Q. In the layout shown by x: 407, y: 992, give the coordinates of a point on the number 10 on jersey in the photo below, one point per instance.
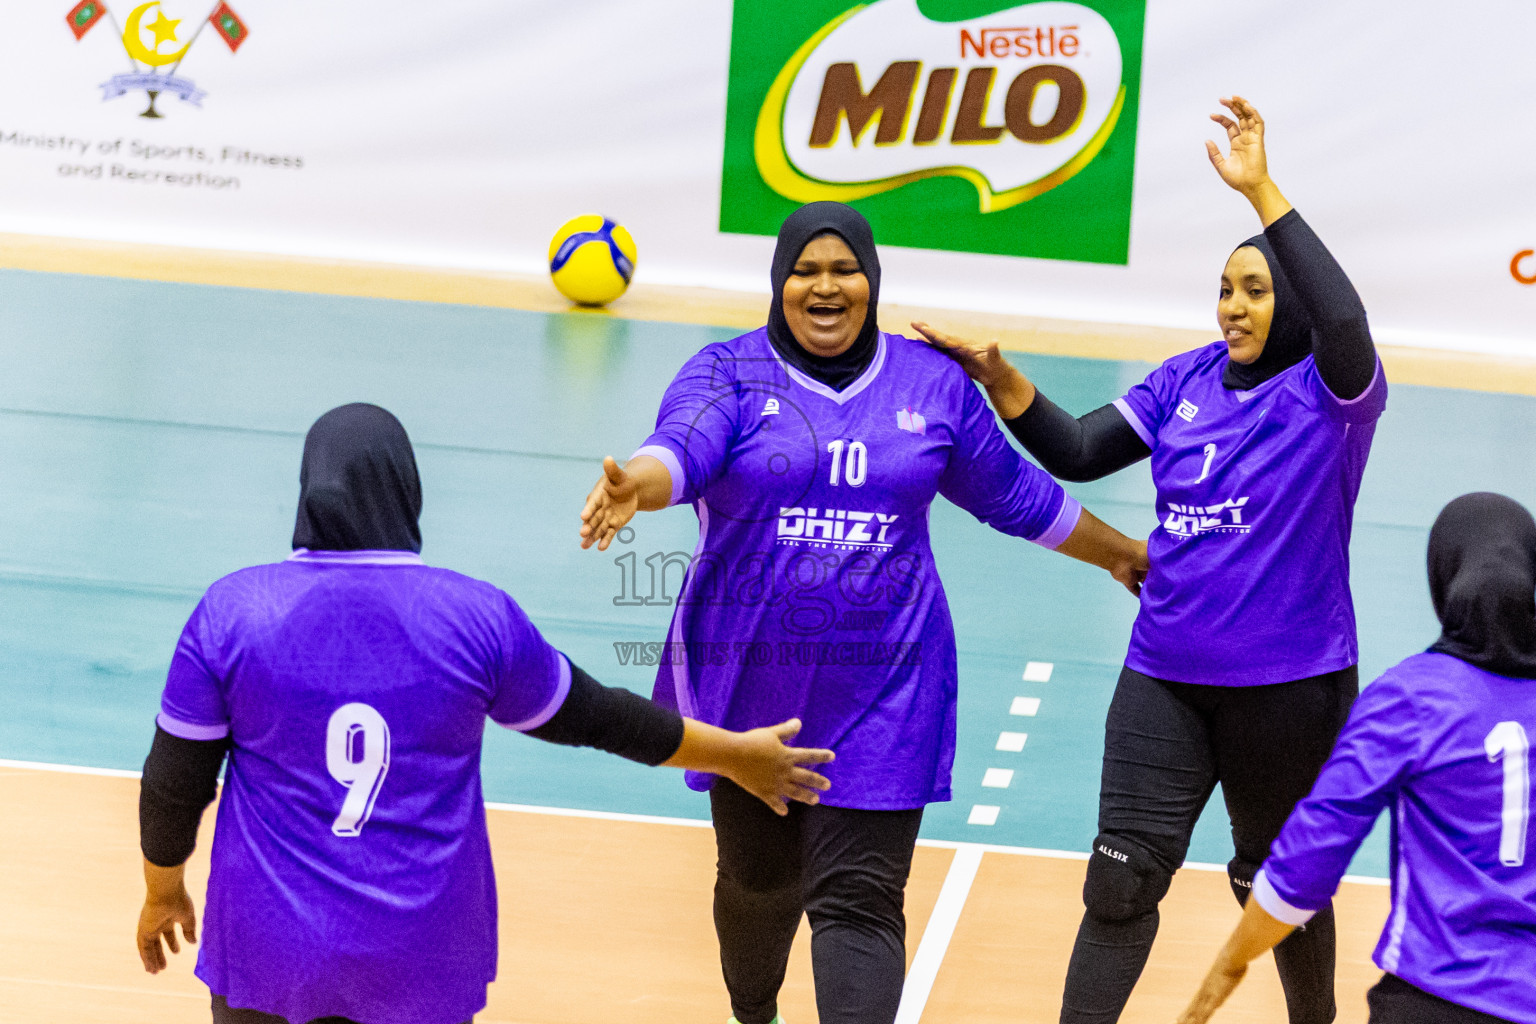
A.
x: 854, y: 468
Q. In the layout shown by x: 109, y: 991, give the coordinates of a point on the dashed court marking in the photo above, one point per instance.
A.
x: 1012, y: 742
x: 1038, y: 671
x: 983, y: 814
x: 998, y: 778
x: 1025, y: 706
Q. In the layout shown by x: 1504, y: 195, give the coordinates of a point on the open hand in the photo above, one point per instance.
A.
x: 158, y: 919
x: 771, y: 771
x: 1010, y: 391
x: 1246, y: 168
x: 609, y: 508
x: 983, y: 362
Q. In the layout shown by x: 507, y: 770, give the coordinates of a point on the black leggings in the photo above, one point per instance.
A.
x: 1393, y: 1001
x: 846, y: 870
x: 223, y: 1013
x: 1166, y: 745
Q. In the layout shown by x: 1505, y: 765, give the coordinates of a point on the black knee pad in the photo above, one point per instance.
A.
x: 1240, y: 874
x: 1124, y: 880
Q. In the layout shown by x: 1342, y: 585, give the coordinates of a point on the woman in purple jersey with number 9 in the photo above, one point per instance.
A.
x: 811, y: 450
x: 1242, y: 662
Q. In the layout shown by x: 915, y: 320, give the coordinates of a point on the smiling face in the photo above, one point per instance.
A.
x: 826, y: 297
x: 1247, y: 304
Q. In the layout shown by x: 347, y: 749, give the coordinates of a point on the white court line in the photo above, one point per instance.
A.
x: 1038, y: 671
x: 1024, y: 706
x: 656, y: 819
x: 941, y: 928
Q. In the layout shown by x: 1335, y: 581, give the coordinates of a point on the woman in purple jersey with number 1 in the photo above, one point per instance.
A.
x: 1442, y: 742
x: 811, y: 451
x: 349, y: 686
x: 1241, y: 666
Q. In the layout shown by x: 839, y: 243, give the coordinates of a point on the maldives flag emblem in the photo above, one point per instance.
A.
x: 229, y: 26
x: 84, y: 17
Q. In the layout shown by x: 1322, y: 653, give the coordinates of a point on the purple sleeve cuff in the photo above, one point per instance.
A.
x: 191, y: 730
x: 562, y: 690
x: 1135, y: 422
x: 667, y: 458
x: 1275, y: 904
x: 1064, y: 524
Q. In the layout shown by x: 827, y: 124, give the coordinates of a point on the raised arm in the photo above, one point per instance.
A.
x: 1341, y: 338
x: 695, y: 429
x: 1069, y: 447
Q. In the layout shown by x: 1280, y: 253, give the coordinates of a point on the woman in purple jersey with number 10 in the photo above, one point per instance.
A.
x: 1241, y: 666
x: 811, y: 450
x: 349, y: 686
x: 1442, y: 741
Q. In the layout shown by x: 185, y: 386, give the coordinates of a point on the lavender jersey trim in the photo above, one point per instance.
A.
x: 191, y: 730
x: 1135, y: 422
x: 1066, y: 521
x: 355, y: 557
x: 1378, y: 380
x: 562, y: 691
x: 664, y: 455
x: 1279, y: 909
x: 852, y: 391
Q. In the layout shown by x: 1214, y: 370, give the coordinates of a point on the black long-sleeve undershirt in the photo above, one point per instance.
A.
x: 1078, y: 449
x: 181, y: 776
x: 1341, y: 338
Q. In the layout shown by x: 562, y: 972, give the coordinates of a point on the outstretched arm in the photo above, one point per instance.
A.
x: 615, y: 720
x: 1256, y: 934
x: 1069, y: 447
x: 644, y: 484
x: 1341, y: 338
x: 1097, y: 543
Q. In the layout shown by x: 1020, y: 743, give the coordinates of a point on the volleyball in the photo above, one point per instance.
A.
x: 591, y: 260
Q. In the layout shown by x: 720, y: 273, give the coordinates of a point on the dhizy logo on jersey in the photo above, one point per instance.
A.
x: 835, y: 527
x: 1194, y: 520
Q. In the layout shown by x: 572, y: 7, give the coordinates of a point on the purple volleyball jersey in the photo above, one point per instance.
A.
x: 813, y: 592
x: 1255, y: 500
x: 1445, y: 746
x: 351, y: 866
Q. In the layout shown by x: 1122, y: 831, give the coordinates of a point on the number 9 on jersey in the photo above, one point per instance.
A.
x: 357, y: 756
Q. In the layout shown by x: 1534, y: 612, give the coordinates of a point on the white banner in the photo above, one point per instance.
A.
x: 463, y: 132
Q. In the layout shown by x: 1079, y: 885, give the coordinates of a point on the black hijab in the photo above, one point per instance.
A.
x: 797, y: 231
x: 358, y: 488
x: 1482, y: 579
x: 1290, y: 330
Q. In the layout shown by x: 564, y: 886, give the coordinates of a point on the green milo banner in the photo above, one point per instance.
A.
x: 967, y: 125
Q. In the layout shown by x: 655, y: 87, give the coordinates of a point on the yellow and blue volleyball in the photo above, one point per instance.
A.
x: 591, y: 260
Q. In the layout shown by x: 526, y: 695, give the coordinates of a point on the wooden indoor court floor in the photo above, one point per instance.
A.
x: 150, y: 461
x: 604, y: 920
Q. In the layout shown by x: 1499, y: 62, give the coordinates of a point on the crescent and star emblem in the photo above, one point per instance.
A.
x: 164, y: 31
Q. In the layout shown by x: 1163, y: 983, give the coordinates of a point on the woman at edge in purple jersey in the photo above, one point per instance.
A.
x: 1242, y: 661
x: 349, y: 685
x: 811, y: 450
x: 1442, y: 741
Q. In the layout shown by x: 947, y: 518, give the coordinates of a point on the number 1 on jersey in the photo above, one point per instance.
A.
x: 1508, y: 742
x: 357, y: 756
x: 1205, y: 470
